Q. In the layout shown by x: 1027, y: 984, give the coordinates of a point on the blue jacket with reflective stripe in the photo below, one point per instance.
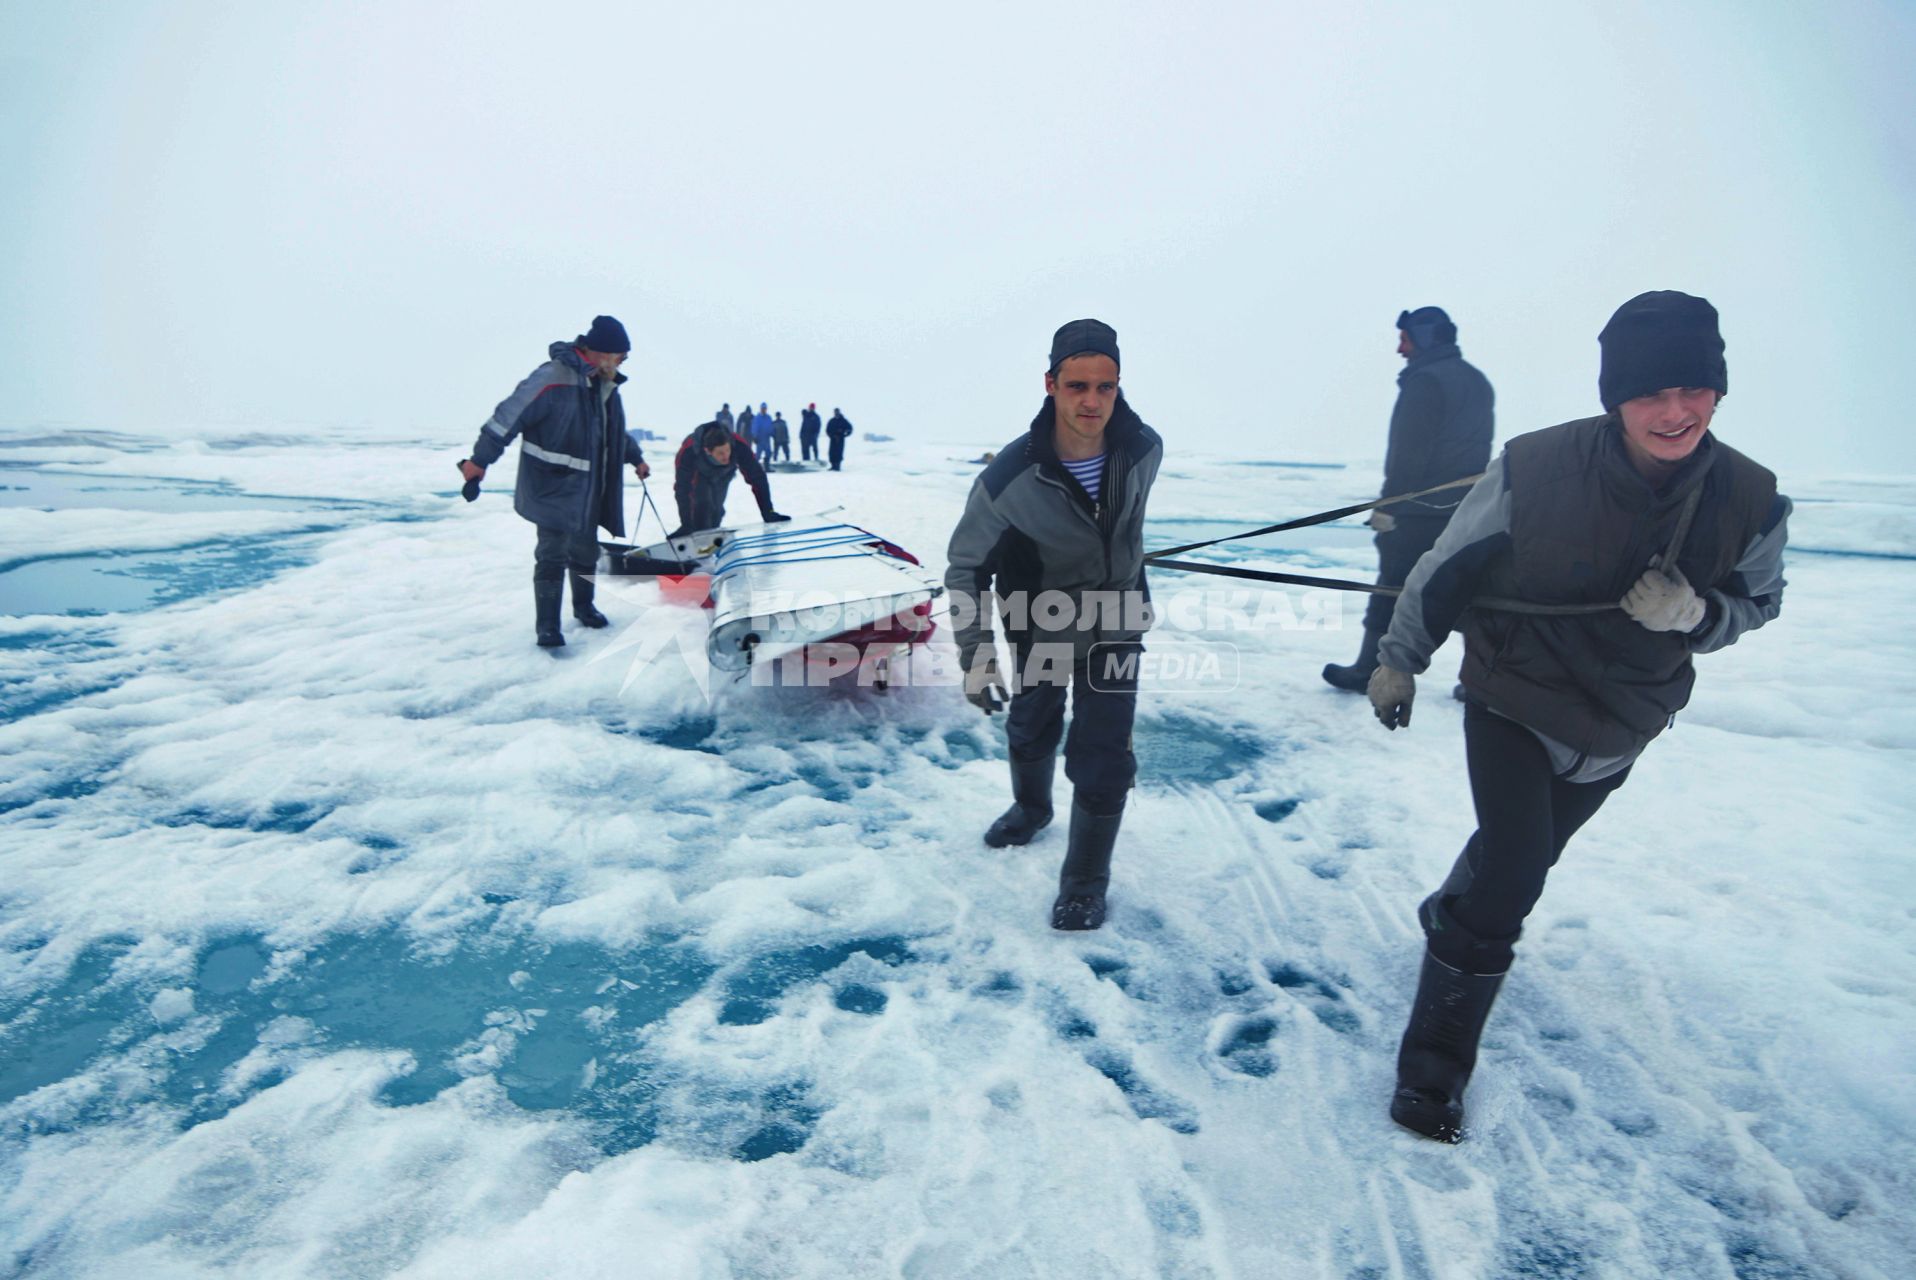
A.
x: 572, y: 442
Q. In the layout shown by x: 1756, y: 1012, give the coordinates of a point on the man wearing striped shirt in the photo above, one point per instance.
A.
x: 570, y: 425
x: 1053, y: 533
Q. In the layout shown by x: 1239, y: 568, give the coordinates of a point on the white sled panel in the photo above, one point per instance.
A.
x: 779, y: 587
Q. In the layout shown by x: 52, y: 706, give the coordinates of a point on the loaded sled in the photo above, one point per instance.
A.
x: 836, y: 592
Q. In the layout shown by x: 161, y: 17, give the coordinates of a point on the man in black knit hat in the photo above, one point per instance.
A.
x: 1059, y: 514
x: 1585, y: 570
x: 572, y: 442
x: 1440, y: 431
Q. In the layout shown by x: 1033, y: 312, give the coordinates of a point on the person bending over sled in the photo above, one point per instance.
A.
x: 703, y: 472
x: 1586, y: 569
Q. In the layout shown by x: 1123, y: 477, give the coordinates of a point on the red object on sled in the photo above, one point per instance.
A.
x: 690, y: 588
x: 899, y: 629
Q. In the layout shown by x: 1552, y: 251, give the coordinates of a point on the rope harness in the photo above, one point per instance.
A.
x: 1162, y: 559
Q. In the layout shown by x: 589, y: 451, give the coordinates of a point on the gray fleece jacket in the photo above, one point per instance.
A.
x: 1029, y: 528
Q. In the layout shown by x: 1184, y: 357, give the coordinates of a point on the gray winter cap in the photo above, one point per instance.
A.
x: 1084, y: 337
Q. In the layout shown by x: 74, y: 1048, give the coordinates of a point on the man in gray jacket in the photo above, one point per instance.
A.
x: 1440, y: 431
x: 572, y: 442
x: 1053, y: 534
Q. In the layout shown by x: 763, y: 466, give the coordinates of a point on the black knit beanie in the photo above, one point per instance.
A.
x: 606, y: 335
x: 1084, y: 337
x: 1658, y: 340
x: 1427, y: 326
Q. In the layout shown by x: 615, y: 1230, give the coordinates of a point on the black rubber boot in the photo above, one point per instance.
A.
x: 582, y: 609
x: 1356, y: 677
x: 1440, y: 1048
x: 548, y: 585
x: 1087, y: 869
x: 1030, y: 810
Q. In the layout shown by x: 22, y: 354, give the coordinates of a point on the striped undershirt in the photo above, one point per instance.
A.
x: 1086, y: 472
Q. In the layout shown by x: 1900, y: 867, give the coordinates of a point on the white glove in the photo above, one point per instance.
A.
x: 1391, y: 693
x: 1664, y: 601
x: 985, y: 688
x: 1381, y: 522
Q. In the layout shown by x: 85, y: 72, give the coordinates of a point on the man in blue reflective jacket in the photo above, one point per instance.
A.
x: 572, y: 442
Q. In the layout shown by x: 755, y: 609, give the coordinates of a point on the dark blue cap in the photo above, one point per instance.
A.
x: 607, y: 335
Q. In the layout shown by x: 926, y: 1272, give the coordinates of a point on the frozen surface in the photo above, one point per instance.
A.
x: 343, y: 933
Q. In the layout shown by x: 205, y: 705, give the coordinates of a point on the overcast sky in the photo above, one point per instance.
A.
x: 372, y: 218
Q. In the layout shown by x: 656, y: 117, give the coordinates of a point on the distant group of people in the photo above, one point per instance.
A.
x: 1585, y: 567
x: 768, y: 437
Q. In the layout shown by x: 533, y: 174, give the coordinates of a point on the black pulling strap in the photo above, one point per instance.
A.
x: 1160, y: 560
x: 1305, y: 522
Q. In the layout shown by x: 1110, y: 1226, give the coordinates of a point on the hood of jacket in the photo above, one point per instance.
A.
x: 567, y: 354
x: 1427, y: 356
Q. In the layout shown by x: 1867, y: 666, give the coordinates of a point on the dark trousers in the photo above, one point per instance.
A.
x: 1525, y: 816
x: 807, y: 445
x: 1104, y: 703
x: 559, y: 549
x: 837, y: 450
x: 1397, y: 554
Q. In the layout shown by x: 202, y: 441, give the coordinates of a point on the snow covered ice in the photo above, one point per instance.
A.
x: 343, y: 932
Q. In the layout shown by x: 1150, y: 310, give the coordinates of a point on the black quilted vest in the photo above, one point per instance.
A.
x: 1584, y: 525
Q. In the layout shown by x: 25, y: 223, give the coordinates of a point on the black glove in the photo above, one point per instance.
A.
x: 470, y: 490
x: 773, y: 517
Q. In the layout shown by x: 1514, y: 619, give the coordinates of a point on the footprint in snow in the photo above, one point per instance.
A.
x: 1323, y: 998
x: 1147, y: 1101
x: 1247, y: 1048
